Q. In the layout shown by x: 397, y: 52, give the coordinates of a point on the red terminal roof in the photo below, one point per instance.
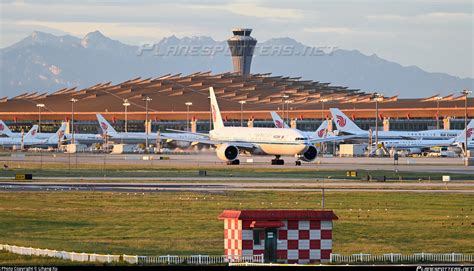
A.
x: 279, y: 214
x: 262, y: 93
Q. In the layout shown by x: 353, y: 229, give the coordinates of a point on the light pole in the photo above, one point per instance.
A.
x: 73, y: 101
x: 378, y: 97
x: 39, y: 116
x: 146, y: 99
x: 210, y: 113
x: 126, y: 104
x: 283, y: 100
x: 322, y: 108
x: 289, y: 111
x: 188, y: 104
x: 323, y: 145
x: 242, y: 112
x: 438, y: 99
x: 287, y: 118
x: 465, y: 93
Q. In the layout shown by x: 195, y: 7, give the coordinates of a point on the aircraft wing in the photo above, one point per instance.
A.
x: 186, y: 132
x: 332, y: 139
x: 207, y: 141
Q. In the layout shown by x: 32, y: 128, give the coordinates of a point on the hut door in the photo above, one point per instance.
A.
x: 270, y: 245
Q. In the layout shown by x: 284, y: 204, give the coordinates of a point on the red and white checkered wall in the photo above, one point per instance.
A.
x: 232, y: 237
x: 298, y: 241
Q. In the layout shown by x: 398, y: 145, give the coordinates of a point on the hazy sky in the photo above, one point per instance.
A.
x: 437, y: 36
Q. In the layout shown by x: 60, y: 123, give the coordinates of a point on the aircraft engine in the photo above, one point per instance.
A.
x: 227, y: 152
x: 309, y: 154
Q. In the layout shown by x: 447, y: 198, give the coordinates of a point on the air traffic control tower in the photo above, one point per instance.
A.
x: 241, y: 47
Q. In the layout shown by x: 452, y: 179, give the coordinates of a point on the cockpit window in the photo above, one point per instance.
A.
x: 301, y: 138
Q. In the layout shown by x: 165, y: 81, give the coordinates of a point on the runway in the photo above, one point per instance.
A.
x: 461, y: 187
x: 208, y: 159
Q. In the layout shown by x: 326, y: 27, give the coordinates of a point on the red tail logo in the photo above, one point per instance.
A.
x: 469, y: 132
x: 278, y: 124
x: 1, y: 127
x: 33, y: 132
x: 341, y: 121
x: 104, y: 126
x: 321, y: 132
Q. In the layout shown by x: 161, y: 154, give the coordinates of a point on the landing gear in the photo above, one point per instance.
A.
x: 278, y: 161
x: 298, y: 162
x: 234, y: 162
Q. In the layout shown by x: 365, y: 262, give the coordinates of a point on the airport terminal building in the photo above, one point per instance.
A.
x: 243, y: 98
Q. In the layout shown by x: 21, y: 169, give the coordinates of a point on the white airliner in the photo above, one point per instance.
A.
x: 31, y: 138
x: 419, y: 145
x: 78, y: 138
x: 140, y: 137
x: 346, y: 125
x: 6, y: 131
x: 230, y: 141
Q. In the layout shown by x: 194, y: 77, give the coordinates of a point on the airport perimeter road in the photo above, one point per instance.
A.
x: 458, y: 187
x: 209, y: 159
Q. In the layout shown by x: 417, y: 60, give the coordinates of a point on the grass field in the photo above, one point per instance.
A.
x: 186, y: 223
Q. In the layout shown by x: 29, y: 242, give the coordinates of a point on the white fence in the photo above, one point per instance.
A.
x: 236, y: 259
x: 71, y: 256
x: 200, y: 259
x: 400, y: 258
x: 133, y: 259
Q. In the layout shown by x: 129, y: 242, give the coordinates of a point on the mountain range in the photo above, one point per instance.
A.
x: 44, y: 62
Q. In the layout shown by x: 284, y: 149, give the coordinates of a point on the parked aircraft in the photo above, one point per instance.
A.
x: 5, y: 130
x: 140, y: 137
x: 31, y: 139
x: 418, y: 146
x: 346, y: 125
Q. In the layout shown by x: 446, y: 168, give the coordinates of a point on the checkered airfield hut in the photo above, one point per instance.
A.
x: 288, y: 236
